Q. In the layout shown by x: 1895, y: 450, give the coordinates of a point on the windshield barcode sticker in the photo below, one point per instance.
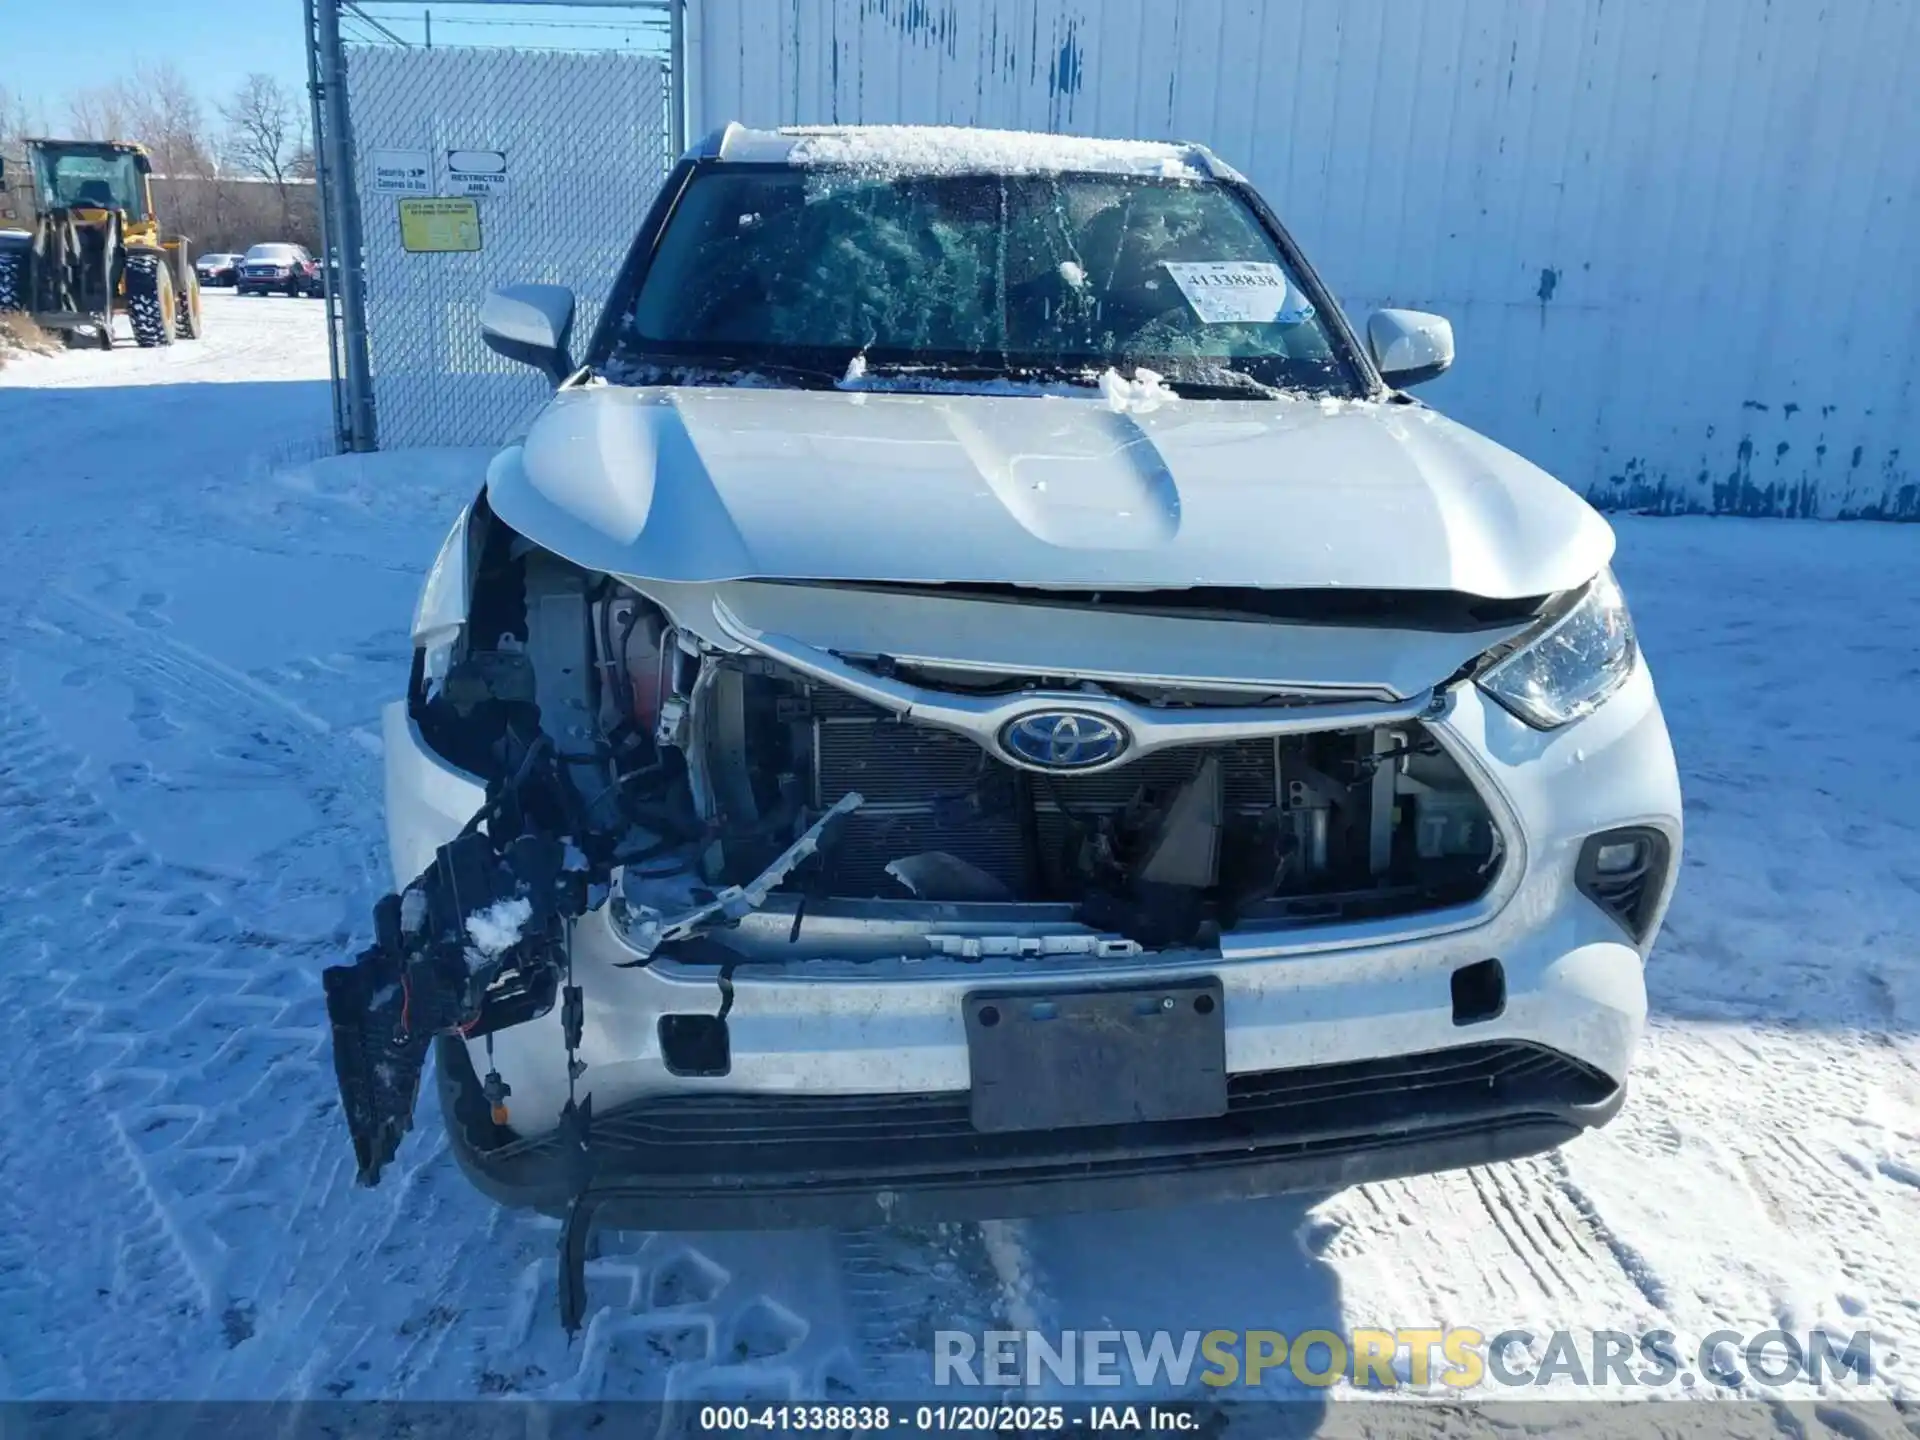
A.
x: 1239, y: 292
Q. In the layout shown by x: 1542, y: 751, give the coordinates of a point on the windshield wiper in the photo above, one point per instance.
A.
x: 1019, y: 374
x: 811, y: 377
x: 1220, y: 382
x: 1210, y: 382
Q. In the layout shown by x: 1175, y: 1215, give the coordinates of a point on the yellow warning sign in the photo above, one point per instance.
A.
x: 439, y: 225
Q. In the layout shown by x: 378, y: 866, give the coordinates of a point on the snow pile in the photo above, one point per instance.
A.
x: 497, y: 928
x: 1145, y: 391
x: 20, y: 336
x: 943, y: 149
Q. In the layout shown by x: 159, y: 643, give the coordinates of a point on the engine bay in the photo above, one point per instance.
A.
x: 701, y: 765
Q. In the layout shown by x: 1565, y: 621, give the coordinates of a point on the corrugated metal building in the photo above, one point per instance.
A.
x: 1676, y: 237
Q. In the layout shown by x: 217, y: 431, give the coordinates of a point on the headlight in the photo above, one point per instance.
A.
x: 1570, y: 668
x: 441, y: 615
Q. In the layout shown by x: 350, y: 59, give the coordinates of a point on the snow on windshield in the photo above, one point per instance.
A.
x: 949, y: 150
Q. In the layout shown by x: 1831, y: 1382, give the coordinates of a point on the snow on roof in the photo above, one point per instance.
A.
x: 948, y: 149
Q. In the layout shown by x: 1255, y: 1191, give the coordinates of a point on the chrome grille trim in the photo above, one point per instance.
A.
x: 982, y: 717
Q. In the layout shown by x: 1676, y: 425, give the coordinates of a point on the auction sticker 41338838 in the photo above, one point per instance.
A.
x: 1229, y: 292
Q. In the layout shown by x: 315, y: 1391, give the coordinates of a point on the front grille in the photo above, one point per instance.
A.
x: 929, y: 789
x: 902, y: 1140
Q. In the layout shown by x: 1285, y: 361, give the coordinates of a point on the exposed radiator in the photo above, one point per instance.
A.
x: 929, y: 789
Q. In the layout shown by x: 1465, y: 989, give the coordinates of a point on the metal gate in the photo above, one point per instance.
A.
x: 448, y: 170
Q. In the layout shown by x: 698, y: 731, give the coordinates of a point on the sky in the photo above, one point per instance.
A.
x: 50, y: 48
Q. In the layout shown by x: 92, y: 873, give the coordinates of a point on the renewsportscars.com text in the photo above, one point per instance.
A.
x: 1459, y: 1358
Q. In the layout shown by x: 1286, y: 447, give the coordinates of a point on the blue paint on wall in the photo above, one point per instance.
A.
x: 1638, y: 489
x: 918, y: 20
x: 1065, y: 76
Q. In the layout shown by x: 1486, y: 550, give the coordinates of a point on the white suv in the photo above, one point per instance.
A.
x: 980, y: 695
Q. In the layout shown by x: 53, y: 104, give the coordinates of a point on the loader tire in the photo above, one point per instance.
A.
x: 13, y: 280
x: 150, y: 300
x: 187, y: 321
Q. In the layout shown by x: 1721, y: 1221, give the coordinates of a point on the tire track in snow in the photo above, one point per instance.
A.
x: 216, y: 1087
x: 1517, y: 1245
x: 77, y: 1271
x: 1805, y: 1124
x: 904, y: 1283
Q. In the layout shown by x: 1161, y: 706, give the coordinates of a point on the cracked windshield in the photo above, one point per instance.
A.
x: 1043, y: 276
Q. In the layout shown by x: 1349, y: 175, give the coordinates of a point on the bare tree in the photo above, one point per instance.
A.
x: 17, y: 119
x: 265, y: 133
x: 165, y: 116
x: 98, y: 113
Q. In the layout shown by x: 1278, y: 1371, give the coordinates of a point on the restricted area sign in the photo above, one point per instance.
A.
x: 441, y: 225
x: 477, y: 172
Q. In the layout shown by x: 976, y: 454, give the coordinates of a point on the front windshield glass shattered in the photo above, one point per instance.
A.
x: 800, y: 270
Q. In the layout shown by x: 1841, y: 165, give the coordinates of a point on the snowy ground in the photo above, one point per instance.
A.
x: 203, y: 623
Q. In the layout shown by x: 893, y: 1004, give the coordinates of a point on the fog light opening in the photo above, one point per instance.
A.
x: 1621, y: 858
x: 1623, y: 872
x: 1479, y: 992
x: 695, y: 1045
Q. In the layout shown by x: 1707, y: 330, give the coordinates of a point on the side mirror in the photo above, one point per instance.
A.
x: 1409, y: 346
x: 532, y: 324
x: 143, y: 162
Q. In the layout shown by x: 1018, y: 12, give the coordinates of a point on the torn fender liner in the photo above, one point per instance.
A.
x: 377, y: 1059
x: 477, y: 943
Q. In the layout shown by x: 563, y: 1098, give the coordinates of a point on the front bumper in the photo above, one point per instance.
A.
x: 870, y: 1056
x: 750, y: 1161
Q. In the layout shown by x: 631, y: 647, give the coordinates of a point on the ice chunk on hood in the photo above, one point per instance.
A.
x: 1145, y: 391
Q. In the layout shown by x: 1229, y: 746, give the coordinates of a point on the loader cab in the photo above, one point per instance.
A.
x: 79, y: 176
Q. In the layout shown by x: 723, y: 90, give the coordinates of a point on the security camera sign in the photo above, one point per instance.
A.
x: 402, y: 172
x: 478, y: 173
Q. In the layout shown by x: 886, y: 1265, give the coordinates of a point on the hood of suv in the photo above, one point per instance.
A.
x: 705, y: 485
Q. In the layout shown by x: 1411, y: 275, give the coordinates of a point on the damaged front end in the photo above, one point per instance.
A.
x: 738, y: 796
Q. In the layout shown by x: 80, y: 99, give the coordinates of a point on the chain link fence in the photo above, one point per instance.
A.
x: 584, y: 141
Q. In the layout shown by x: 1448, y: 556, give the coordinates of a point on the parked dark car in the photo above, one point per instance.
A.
x: 277, y: 269
x: 218, y: 269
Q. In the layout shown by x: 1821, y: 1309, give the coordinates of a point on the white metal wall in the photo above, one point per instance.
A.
x: 585, y: 136
x: 1676, y: 237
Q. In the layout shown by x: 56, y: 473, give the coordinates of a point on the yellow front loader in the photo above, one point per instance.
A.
x: 83, y: 243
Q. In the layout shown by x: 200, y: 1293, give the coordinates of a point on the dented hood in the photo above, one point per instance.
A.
x: 703, y: 485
